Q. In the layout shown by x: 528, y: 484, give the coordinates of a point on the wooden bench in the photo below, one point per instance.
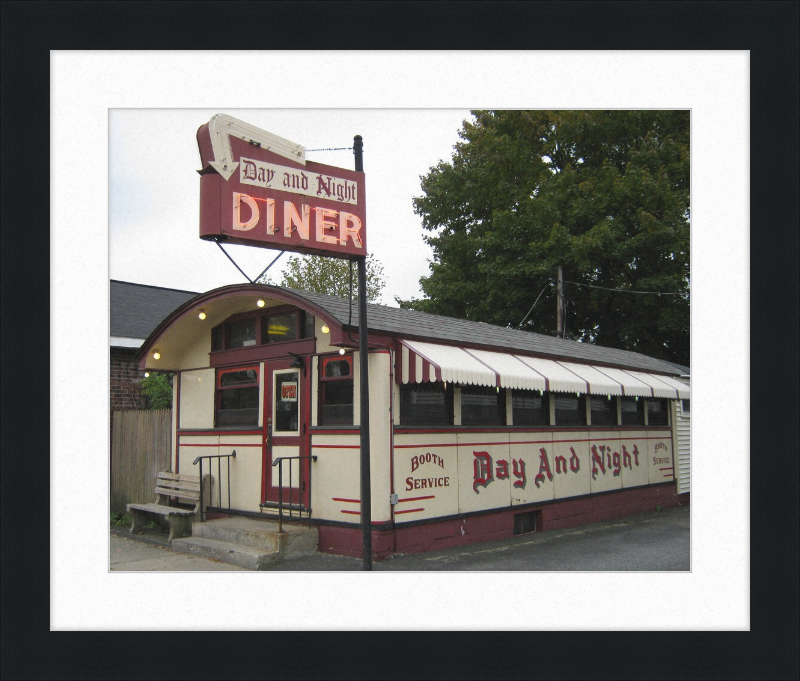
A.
x: 184, y: 488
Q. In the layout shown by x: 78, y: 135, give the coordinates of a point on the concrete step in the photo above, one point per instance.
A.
x: 227, y: 552
x: 248, y: 542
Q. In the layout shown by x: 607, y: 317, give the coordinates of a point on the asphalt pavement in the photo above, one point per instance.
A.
x: 650, y: 542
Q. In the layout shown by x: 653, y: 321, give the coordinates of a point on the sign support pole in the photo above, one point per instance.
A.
x: 363, y: 352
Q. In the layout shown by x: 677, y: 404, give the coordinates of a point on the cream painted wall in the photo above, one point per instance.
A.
x: 429, y: 457
x: 197, y: 399
x: 574, y: 451
x: 563, y: 464
x: 335, y: 482
x: 525, y: 452
x: 660, y: 461
x: 380, y: 433
x: 245, y: 469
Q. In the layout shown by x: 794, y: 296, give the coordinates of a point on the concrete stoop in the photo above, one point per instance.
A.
x: 248, y: 543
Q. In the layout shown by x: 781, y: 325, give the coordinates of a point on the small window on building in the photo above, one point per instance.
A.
x: 685, y: 407
x: 426, y: 404
x: 604, y: 411
x: 336, y: 391
x: 632, y: 411
x: 657, y: 413
x: 236, y: 400
x: 277, y: 328
x: 241, y: 334
x: 308, y: 330
x: 217, y: 336
x: 287, y: 401
x: 570, y: 410
x: 530, y: 408
x: 482, y: 406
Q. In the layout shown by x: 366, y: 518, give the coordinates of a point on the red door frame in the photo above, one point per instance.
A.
x: 269, y: 478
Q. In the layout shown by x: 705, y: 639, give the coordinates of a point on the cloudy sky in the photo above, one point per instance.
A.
x: 154, y: 189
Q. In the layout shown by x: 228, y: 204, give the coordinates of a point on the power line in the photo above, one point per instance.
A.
x: 625, y: 290
x: 519, y: 326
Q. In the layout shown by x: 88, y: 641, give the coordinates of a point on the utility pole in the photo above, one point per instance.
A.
x: 560, y: 304
x: 363, y: 353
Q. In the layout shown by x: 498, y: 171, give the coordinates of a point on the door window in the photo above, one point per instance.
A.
x: 287, y: 401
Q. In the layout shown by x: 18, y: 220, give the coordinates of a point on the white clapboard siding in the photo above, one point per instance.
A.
x: 684, y: 450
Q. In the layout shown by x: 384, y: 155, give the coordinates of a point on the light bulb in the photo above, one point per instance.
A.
x: 146, y: 374
x: 202, y: 315
x: 325, y: 329
x: 156, y: 355
x: 341, y: 351
x: 261, y: 302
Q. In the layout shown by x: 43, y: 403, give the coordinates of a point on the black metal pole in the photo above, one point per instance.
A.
x: 363, y: 353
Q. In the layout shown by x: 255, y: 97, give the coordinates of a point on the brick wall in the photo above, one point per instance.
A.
x: 125, y: 380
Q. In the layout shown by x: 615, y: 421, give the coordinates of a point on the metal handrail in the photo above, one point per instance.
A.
x: 219, y: 458
x: 279, y: 462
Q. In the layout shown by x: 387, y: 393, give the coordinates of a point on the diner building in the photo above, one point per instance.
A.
x: 477, y: 432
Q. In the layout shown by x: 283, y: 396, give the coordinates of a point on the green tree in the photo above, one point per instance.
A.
x: 604, y: 194
x: 330, y: 275
x: 158, y: 390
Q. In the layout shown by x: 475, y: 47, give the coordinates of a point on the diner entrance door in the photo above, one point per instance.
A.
x: 285, y: 434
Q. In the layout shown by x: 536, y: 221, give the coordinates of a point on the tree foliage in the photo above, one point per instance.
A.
x: 331, y: 276
x: 605, y: 194
x: 158, y: 390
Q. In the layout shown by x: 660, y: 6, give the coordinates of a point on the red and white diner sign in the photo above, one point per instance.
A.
x: 257, y: 189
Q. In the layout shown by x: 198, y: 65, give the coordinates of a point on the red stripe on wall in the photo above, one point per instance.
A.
x: 351, y: 512
x: 336, y: 446
x: 410, y: 510
x: 349, y: 501
x: 526, y: 442
x: 216, y: 432
x: 433, y: 496
x: 221, y: 444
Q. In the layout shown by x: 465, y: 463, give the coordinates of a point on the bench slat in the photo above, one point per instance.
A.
x: 180, y: 494
x: 179, y: 485
x: 160, y: 509
x: 179, y: 476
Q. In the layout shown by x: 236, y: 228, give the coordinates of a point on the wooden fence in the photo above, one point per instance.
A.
x: 141, y: 442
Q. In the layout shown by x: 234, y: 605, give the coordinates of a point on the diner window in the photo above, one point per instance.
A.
x: 482, y: 406
x: 262, y: 329
x: 604, y: 411
x: 241, y: 334
x: 657, y: 413
x: 426, y: 404
x: 530, y: 408
x: 281, y: 327
x: 632, y: 411
x: 236, y: 399
x: 685, y: 407
x: 570, y: 410
x: 308, y: 330
x: 336, y: 390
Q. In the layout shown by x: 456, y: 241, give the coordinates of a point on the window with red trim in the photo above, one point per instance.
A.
x: 236, y: 398
x: 336, y: 390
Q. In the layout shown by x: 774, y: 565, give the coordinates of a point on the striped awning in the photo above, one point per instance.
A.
x: 419, y: 362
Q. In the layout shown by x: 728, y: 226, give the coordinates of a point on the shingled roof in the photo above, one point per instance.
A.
x: 423, y: 326
x: 137, y: 309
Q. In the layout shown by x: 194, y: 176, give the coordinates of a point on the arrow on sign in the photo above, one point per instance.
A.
x: 222, y: 126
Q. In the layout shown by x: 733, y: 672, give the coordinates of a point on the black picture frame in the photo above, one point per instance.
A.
x: 768, y: 651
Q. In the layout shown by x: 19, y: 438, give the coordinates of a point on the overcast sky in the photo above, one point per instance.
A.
x: 154, y: 189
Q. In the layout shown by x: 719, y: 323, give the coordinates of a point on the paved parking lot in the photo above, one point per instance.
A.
x: 649, y: 542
